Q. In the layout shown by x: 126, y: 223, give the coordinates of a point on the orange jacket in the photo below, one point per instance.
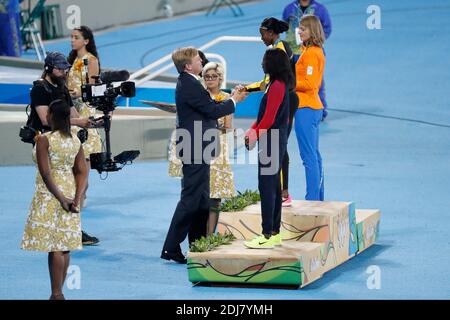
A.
x: 309, y: 70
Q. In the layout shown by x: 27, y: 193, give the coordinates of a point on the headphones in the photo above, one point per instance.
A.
x: 48, y: 68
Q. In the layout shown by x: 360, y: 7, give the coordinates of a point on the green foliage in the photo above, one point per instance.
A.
x: 211, y: 242
x: 242, y: 200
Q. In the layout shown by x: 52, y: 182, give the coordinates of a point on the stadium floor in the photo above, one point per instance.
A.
x: 385, y: 144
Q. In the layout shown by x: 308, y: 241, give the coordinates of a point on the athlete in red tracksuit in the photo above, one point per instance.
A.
x: 270, y: 130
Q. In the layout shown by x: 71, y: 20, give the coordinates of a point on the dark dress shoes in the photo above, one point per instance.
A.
x: 175, y: 256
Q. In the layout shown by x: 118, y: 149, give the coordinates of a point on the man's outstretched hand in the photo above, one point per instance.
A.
x: 238, y: 95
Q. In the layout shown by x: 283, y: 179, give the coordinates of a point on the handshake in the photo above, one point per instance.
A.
x: 239, y: 93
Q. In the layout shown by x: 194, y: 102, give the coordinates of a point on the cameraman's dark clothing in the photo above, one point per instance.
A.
x: 42, y: 94
x: 194, y: 105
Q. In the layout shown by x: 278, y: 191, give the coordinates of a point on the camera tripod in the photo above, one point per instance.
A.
x: 103, y: 161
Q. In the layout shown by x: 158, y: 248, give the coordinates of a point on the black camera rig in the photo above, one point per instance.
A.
x: 102, y: 95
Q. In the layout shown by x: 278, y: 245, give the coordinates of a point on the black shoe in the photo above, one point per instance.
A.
x: 175, y: 256
x: 88, y: 240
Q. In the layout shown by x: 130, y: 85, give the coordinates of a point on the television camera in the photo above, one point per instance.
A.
x: 102, y: 95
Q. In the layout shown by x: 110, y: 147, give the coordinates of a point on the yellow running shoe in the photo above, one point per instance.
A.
x: 276, y: 239
x: 260, y: 242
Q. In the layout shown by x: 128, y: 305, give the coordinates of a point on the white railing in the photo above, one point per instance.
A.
x: 203, y: 48
x: 153, y: 75
x: 229, y: 39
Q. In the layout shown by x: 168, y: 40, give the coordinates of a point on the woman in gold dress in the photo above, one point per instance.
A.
x: 84, y: 49
x: 53, y: 223
x: 221, y: 174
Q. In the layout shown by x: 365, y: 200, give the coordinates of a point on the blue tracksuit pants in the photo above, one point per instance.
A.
x: 307, y: 123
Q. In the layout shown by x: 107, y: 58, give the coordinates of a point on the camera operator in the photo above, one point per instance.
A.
x: 51, y: 87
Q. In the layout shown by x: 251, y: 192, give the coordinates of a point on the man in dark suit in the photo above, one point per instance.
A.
x: 197, y: 143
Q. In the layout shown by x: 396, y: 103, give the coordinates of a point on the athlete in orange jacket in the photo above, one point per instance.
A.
x: 309, y: 71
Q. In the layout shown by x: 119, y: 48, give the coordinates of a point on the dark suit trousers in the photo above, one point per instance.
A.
x: 191, y: 214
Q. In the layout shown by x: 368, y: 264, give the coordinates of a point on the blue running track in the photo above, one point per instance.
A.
x: 385, y: 144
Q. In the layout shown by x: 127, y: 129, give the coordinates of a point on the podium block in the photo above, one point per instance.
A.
x: 331, y: 223
x: 368, y: 227
x: 294, y: 263
x: 317, y: 237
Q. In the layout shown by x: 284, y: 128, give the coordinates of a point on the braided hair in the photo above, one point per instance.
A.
x: 275, y: 25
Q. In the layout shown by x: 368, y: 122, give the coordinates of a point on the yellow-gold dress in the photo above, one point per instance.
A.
x: 49, y: 228
x: 76, y: 78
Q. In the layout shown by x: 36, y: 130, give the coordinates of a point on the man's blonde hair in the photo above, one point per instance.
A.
x: 312, y: 23
x: 183, y: 56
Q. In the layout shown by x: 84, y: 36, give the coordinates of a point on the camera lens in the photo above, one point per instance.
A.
x: 128, y: 89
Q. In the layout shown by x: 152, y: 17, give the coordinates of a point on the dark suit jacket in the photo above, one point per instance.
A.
x: 195, y: 110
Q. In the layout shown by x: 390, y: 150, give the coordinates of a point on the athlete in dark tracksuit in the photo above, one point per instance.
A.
x: 270, y: 129
x: 272, y: 115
